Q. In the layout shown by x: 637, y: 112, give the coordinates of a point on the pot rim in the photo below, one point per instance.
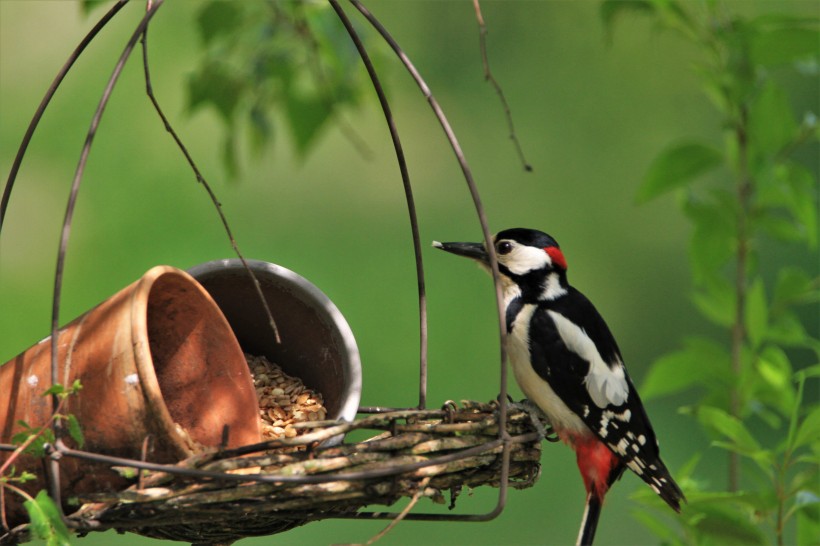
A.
x: 321, y: 303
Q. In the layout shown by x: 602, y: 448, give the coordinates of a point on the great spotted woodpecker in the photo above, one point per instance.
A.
x: 567, y: 362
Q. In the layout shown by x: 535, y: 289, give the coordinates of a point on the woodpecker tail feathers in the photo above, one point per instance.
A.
x: 589, y: 523
x: 657, y: 476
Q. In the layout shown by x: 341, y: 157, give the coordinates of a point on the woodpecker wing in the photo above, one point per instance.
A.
x: 573, y: 350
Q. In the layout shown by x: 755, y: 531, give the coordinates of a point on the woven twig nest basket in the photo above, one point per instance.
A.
x: 165, y: 505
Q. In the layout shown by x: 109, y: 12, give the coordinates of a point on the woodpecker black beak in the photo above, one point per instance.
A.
x: 475, y: 251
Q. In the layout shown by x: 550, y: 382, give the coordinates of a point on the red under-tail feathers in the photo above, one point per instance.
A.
x: 599, y: 468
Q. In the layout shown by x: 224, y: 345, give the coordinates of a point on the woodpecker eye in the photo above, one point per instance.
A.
x: 503, y: 247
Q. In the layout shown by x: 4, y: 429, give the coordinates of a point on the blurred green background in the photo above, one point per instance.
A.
x: 590, y: 113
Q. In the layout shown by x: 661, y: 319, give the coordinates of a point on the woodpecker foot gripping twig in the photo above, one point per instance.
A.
x: 538, y: 418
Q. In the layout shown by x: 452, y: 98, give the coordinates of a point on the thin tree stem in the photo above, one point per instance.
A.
x: 739, y: 334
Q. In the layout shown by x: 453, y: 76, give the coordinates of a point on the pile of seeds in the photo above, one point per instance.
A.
x: 283, y: 400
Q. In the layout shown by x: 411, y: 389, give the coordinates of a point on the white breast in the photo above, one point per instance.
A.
x: 534, y: 386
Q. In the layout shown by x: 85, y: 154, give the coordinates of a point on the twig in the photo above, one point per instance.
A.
x: 201, y: 179
x: 422, y: 486
x: 326, y: 482
x: 488, y: 75
x: 408, y: 194
x: 52, y: 89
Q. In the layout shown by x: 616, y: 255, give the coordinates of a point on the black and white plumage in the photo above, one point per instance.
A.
x: 567, y: 362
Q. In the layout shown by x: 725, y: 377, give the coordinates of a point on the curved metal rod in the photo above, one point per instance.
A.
x: 72, y: 201
x: 408, y: 194
x: 38, y: 114
x: 503, y: 434
x: 149, y: 90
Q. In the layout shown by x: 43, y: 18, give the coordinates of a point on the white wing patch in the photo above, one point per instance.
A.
x: 605, y: 385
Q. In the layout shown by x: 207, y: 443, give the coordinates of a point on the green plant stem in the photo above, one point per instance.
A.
x: 4, y: 483
x: 780, y: 521
x: 744, y: 191
x: 32, y: 437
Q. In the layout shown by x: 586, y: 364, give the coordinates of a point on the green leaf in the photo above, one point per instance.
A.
x: 794, y: 286
x: 781, y: 229
x: 716, y: 301
x: 808, y: 528
x: 803, y: 199
x: 757, y: 312
x: 611, y: 10
x: 76, y: 387
x: 675, y: 167
x: 217, y: 86
x: 305, y: 117
x: 771, y: 121
x: 809, y: 429
x: 89, y: 5
x: 57, y: 389
x: 127, y: 472
x: 806, y: 373
x: 784, y: 45
x: 75, y: 431
x: 46, y: 521
x: 701, y: 361
x: 724, y: 524
x: 656, y: 526
x: 730, y: 427
x: 219, y: 18
x: 786, y: 329
x: 775, y: 369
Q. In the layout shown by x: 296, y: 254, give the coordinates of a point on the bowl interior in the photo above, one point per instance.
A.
x: 316, y: 343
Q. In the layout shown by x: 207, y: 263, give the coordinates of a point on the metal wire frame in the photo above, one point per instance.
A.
x: 58, y: 450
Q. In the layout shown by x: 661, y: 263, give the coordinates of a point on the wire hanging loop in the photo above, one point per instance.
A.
x: 503, y: 434
x: 69, y: 214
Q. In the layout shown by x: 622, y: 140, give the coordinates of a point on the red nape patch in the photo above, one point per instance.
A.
x: 596, y: 462
x: 557, y: 256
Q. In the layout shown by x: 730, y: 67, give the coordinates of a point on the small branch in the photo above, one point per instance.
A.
x: 390, y: 526
x: 322, y: 482
x: 738, y: 333
x: 488, y: 76
x: 201, y: 179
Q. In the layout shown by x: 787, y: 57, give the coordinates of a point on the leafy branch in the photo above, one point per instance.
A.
x: 266, y: 57
x: 739, y: 197
x: 45, y: 517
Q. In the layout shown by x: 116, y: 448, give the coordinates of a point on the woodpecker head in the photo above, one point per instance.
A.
x: 530, y: 262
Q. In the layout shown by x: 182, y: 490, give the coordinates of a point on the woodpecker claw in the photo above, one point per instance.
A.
x: 509, y: 399
x: 537, y: 416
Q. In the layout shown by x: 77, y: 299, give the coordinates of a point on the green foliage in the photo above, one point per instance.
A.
x: 265, y: 58
x: 751, y: 389
x: 46, y: 521
x: 44, y: 516
x: 677, y: 166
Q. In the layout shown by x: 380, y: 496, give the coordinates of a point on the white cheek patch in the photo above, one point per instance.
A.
x: 524, y: 259
x: 606, y: 386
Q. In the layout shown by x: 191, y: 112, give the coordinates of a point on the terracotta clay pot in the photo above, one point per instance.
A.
x: 156, y: 355
x: 317, y: 344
